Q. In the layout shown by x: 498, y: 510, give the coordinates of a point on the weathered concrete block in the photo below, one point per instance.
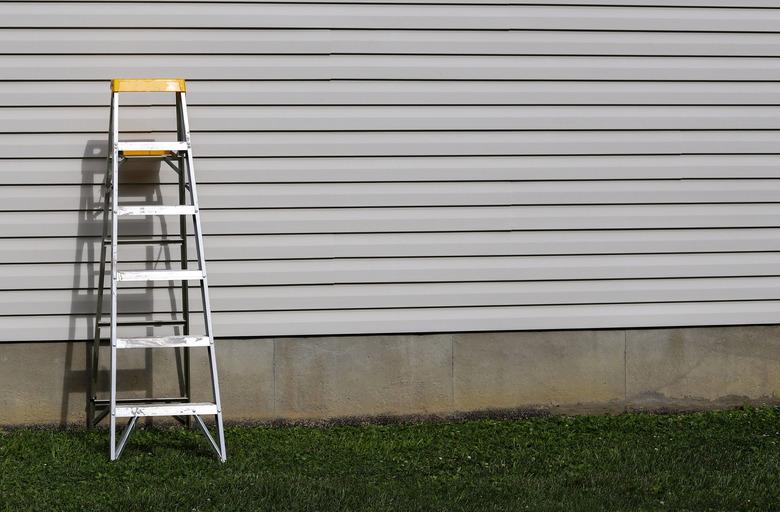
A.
x: 363, y: 375
x: 701, y: 366
x: 246, y: 374
x: 42, y: 383
x: 533, y: 369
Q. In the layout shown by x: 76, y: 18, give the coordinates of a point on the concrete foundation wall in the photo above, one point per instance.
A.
x: 330, y: 377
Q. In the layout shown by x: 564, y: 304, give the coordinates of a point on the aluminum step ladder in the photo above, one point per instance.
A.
x: 178, y: 155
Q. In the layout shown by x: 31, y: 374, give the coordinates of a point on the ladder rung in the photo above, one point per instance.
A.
x: 102, y: 402
x: 151, y: 146
x: 163, y: 342
x: 123, y: 211
x: 146, y: 241
x: 159, y: 275
x: 153, y: 409
x: 142, y: 323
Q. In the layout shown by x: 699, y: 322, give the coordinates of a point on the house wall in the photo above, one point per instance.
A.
x: 393, y: 169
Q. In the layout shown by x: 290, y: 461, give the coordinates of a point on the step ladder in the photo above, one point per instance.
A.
x: 178, y: 155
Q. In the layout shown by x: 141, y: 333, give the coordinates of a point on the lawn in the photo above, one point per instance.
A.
x: 704, y: 461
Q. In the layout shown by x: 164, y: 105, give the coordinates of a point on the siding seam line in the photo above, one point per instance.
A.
x: 273, y: 378
x: 625, y: 370
x: 452, y: 372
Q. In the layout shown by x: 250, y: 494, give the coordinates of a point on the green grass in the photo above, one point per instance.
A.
x: 707, y: 461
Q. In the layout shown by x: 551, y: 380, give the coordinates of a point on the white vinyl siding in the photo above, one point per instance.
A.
x: 389, y: 167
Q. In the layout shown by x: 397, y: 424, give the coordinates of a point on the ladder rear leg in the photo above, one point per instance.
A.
x: 186, y: 389
x: 94, y: 369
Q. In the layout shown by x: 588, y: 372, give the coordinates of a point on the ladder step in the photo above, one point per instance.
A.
x: 157, y: 409
x: 152, y: 147
x: 123, y: 211
x: 163, y: 342
x: 146, y: 241
x: 160, y: 275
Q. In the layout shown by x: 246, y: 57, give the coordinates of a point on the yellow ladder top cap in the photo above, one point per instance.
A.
x: 148, y: 85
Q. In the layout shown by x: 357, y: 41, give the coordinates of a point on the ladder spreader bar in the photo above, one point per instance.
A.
x: 145, y: 241
x: 142, y: 323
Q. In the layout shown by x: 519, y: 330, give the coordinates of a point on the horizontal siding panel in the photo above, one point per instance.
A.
x: 416, y: 16
x: 538, y: 317
x: 400, y: 92
x: 398, y: 169
x: 376, y: 245
x: 383, y: 296
x: 411, y: 320
x: 222, y: 144
x: 439, y: 42
x: 637, y: 3
x: 83, y: 276
x: 335, y: 195
x: 388, y: 67
x: 427, y: 219
x: 389, y: 118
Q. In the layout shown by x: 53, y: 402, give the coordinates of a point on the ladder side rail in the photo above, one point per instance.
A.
x: 204, y: 287
x: 183, y: 256
x: 114, y: 256
x: 95, y: 356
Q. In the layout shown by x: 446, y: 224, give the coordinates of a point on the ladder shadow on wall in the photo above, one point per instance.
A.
x: 139, y: 183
